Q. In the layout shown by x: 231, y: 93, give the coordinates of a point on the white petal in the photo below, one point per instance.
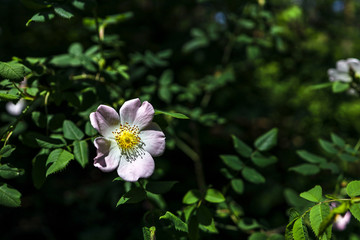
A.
x: 128, y: 111
x: 105, y: 120
x: 108, y: 154
x: 144, y: 115
x: 154, y: 139
x: 142, y: 167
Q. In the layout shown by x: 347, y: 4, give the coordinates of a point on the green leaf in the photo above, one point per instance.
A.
x: 41, y: 17
x: 46, y: 142
x: 312, y: 158
x: 248, y: 224
x: 237, y: 185
x: 135, y: 195
x: 330, y: 166
x: 257, y: 236
x: 348, y: 157
x: 276, y: 236
x: 149, y: 233
x: 172, y: 114
x: 299, y: 230
x: 59, y: 159
x: 9, y: 197
x: 64, y: 11
x: 89, y: 130
x: 204, y: 215
x: 355, y: 210
x: 267, y: 141
x: 337, y: 140
x: 214, y: 196
x: 211, y: 228
x: 192, y: 196
x: 242, y: 148
x: 39, y: 168
x: 39, y: 119
x: 81, y: 152
x: 71, y: 131
x: 260, y: 160
x: 178, y: 223
x: 13, y: 70
x: 313, y: 195
x: 328, y: 146
x: 306, y: 169
x: 340, y: 86
x: 6, y: 151
x: 8, y: 97
x: 232, y: 162
x: 8, y: 172
x: 317, y: 215
x: 252, y: 175
x: 353, y: 189
x: 159, y: 187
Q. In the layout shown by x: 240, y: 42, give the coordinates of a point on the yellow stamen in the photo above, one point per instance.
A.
x: 128, y: 140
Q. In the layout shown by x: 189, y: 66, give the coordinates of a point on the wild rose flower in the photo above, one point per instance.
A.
x: 129, y: 140
x: 15, y: 109
x: 342, y: 221
x: 344, y: 69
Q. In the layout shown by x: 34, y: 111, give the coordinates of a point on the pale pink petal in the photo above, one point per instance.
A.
x: 342, y: 66
x: 105, y: 120
x: 154, y: 139
x: 144, y: 115
x: 342, y: 221
x: 128, y: 111
x: 142, y: 167
x: 108, y: 154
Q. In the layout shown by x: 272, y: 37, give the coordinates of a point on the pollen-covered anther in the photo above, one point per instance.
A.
x: 129, y: 142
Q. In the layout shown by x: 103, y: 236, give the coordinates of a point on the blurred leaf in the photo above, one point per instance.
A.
x: 81, y: 152
x: 237, y: 185
x: 9, y: 197
x: 63, y: 11
x: 71, y: 131
x: 204, y: 215
x: 306, y: 169
x: 171, y: 114
x: 59, y: 159
x: 312, y: 158
x: 337, y: 140
x: 262, y: 161
x: 149, y: 233
x: 348, y: 157
x: 330, y: 166
x: 135, y: 195
x: 327, y: 146
x: 214, y: 196
x: 160, y: 187
x: 276, y: 236
x: 267, y: 141
x: 232, y: 162
x: 313, y: 195
x: 340, y: 86
x: 192, y: 196
x: 257, y: 236
x: 6, y: 151
x: 8, y: 172
x: 8, y: 97
x: 353, y: 189
x: 211, y: 228
x: 39, y: 169
x: 248, y: 224
x: 178, y: 223
x: 39, y: 119
x: 252, y: 175
x: 226, y: 173
x: 242, y: 148
x: 13, y: 70
x: 41, y: 17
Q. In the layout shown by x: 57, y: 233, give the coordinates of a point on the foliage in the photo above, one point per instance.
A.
x: 241, y: 90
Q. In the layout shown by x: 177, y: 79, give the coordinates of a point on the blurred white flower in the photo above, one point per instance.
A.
x: 344, y: 69
x: 15, y: 109
x: 342, y: 221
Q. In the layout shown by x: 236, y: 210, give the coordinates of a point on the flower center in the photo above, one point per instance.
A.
x: 129, y: 142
